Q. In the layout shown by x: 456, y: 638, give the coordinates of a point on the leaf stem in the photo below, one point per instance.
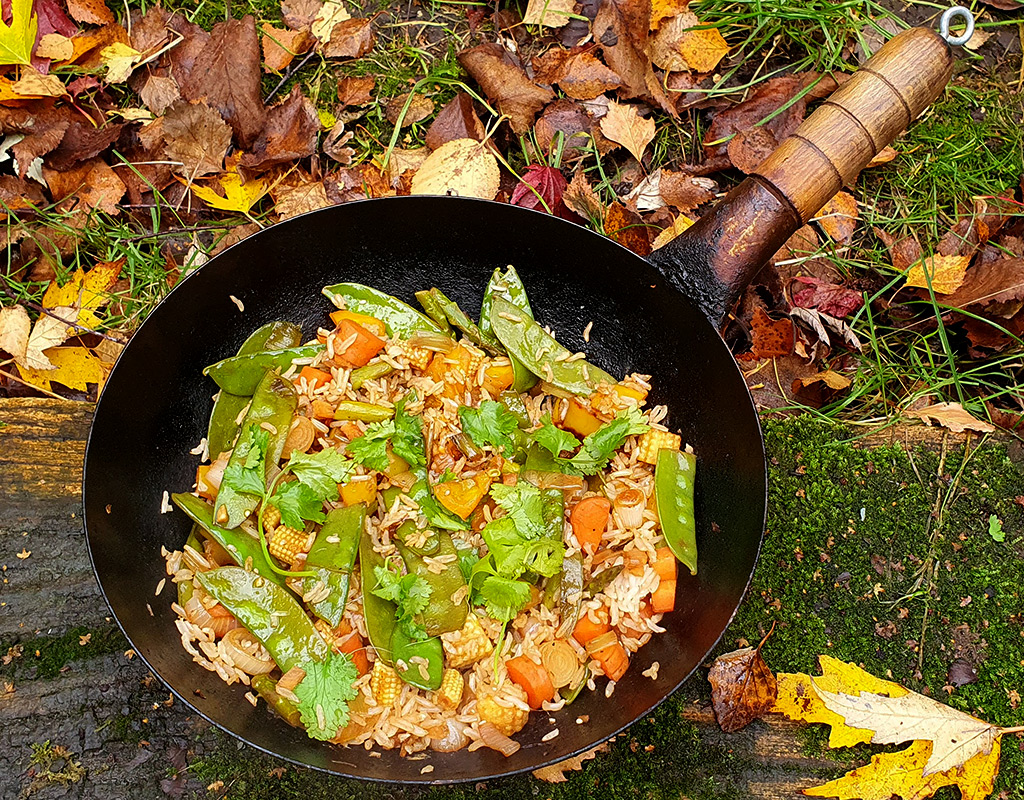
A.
x: 1018, y: 729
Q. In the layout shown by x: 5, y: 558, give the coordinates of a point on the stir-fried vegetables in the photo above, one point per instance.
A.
x: 511, y: 511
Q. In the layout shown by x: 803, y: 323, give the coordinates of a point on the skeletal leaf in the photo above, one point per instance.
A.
x: 947, y: 273
x: 624, y: 125
x: 75, y: 367
x: 463, y: 167
x: 742, y: 688
x: 952, y: 416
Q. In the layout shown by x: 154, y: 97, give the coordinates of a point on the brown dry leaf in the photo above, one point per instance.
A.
x: 771, y: 337
x: 456, y: 120
x: 461, y: 167
x: 748, y: 148
x: 679, y: 224
x: 838, y: 217
x: 742, y: 688
x: 884, y: 156
x: 991, y: 282
x: 952, y: 416
x: 420, y: 107
x: 832, y: 379
x: 34, y: 84
x: 355, y: 91
x: 281, y: 45
x: 577, y: 72
x: 768, y: 98
x: 20, y: 195
x: 331, y: 13
x: 298, y: 194
x: 158, y: 93
x: 681, y: 44
x: 624, y: 125
x: 549, y: 13
x: 91, y: 12
x: 685, y: 192
x: 226, y: 75
x: 14, y: 330
x: 42, y: 131
x: 74, y: 367
x: 102, y: 189
x: 196, y: 137
x: 902, y: 252
x: 505, y: 83
x: 402, y: 161
x: 621, y: 29
x: 289, y: 134
x: 946, y: 273
x: 581, y: 198
x: 55, y: 47
x: 351, y: 38
x: 664, y: 9
x: 626, y: 227
x: 299, y: 14
x: 556, y: 772
x: 574, y: 128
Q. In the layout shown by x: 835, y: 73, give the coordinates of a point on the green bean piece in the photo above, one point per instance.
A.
x: 570, y: 598
x: 459, y: 319
x: 433, y: 309
x: 272, y: 408
x: 442, y: 614
x: 270, y: 613
x: 400, y: 319
x: 238, y: 544
x: 674, y: 475
x: 224, y: 425
x: 242, y: 374
x: 332, y: 557
x: 510, y: 287
x: 370, y: 372
x: 364, y: 412
x: 525, y: 339
x: 389, y: 495
x: 601, y: 580
x: 266, y: 687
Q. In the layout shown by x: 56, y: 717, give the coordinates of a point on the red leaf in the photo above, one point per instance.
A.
x: 828, y: 298
x: 549, y: 183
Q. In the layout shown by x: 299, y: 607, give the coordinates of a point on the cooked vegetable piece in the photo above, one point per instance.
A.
x: 314, y: 377
x: 570, y: 596
x: 238, y: 544
x: 269, y: 612
x: 527, y: 341
x: 653, y: 442
x: 533, y: 678
x: 674, y: 477
x: 442, y: 614
x: 589, y: 520
x: 498, y: 377
x: 372, y: 324
x: 287, y: 543
x: 242, y: 374
x: 472, y: 644
x: 370, y: 372
x: 663, y: 599
x: 355, y: 345
x: 433, y: 309
x: 362, y: 412
x: 450, y: 694
x: 572, y: 691
x: 424, y: 660
x: 385, y: 684
x: 580, y: 419
x: 265, y: 688
x: 597, y: 448
x: 402, y: 320
x: 460, y: 320
x: 360, y: 489
x: 510, y: 287
x: 224, y: 424
x: 462, y: 497
x: 599, y: 582
x: 436, y: 514
x: 332, y: 557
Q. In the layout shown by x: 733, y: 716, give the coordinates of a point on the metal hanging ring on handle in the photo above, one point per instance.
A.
x: 950, y: 14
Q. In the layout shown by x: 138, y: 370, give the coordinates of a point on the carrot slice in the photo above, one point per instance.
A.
x: 586, y: 629
x: 663, y: 599
x: 314, y: 377
x: 533, y: 678
x: 613, y: 660
x: 353, y: 645
x: 665, y: 564
x: 589, y: 519
x: 364, y: 347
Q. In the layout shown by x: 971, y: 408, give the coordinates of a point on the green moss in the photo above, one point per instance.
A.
x: 46, y: 656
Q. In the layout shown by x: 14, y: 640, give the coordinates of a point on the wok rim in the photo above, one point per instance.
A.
x: 669, y: 690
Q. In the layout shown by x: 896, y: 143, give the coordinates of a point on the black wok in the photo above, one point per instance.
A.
x: 156, y: 403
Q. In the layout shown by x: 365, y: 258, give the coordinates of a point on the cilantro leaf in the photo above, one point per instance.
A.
x: 503, y: 597
x: 513, y: 554
x: 321, y: 471
x: 248, y: 473
x: 410, y: 593
x: 524, y: 504
x: 554, y: 440
x: 491, y: 423
x: 297, y: 503
x: 599, y: 447
x: 408, y: 441
x: 370, y: 449
x: 324, y: 694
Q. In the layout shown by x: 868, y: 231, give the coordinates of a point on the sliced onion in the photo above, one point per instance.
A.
x: 561, y: 661
x: 437, y: 342
x: 454, y: 739
x: 247, y: 653
x: 403, y: 480
x: 215, y: 473
x: 300, y: 436
x: 197, y: 612
x: 554, y: 480
x: 630, y: 506
x: 496, y: 740
x: 599, y: 643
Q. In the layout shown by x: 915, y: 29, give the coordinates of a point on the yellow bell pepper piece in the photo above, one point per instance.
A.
x: 579, y: 419
x: 372, y: 324
x: 461, y: 497
x: 361, y: 489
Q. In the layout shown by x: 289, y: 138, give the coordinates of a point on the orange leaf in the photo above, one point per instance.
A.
x: 838, y: 217
x: 771, y: 337
x: 627, y: 228
x: 682, y: 44
x: 624, y: 125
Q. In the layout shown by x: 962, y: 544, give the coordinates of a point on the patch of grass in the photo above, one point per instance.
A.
x: 47, y: 655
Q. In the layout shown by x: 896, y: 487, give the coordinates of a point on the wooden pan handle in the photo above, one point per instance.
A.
x: 860, y: 118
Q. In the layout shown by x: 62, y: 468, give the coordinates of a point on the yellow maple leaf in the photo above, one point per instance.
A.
x: 946, y: 272
x: 238, y: 196
x: 798, y: 700
x: 75, y: 367
x: 86, y: 292
x: 901, y: 774
x: 18, y: 38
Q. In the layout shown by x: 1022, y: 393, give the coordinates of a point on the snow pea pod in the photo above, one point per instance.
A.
x: 404, y: 649
x: 238, y: 544
x: 272, y: 408
x: 460, y: 320
x: 400, y: 319
x: 510, y: 287
x: 332, y: 557
x: 223, y: 428
x: 674, y: 475
x: 442, y: 613
x: 526, y: 340
x: 270, y: 613
x: 242, y: 374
